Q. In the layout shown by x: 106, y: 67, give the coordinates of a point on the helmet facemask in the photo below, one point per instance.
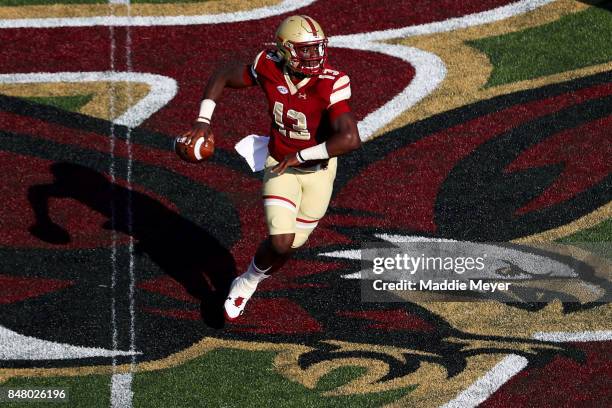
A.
x: 307, y: 58
x: 303, y: 45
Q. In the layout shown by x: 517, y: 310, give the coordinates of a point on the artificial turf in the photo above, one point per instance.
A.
x: 241, y: 378
x: 574, y: 41
x: 229, y: 377
x: 598, y: 233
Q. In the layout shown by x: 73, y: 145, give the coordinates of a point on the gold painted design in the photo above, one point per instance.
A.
x: 468, y: 69
x: 102, y: 105
x: 93, y: 10
x: 585, y: 222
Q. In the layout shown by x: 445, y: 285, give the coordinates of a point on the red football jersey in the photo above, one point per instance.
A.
x: 301, y: 113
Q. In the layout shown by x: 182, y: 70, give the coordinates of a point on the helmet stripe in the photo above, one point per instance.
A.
x: 311, y: 24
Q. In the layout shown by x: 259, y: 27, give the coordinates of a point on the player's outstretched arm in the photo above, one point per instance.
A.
x: 235, y: 76
x: 344, y: 140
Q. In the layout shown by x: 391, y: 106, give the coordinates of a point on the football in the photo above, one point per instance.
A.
x: 199, y: 149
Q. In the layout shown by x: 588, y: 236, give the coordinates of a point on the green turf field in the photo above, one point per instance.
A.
x: 575, y: 41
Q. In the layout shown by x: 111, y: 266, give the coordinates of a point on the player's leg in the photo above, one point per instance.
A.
x: 282, y: 195
x: 273, y: 252
x: 317, y: 189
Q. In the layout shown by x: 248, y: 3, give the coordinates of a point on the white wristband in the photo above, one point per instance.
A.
x: 318, y: 152
x: 207, y: 107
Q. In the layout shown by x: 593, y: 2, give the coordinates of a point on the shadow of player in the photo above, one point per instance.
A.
x: 183, y: 250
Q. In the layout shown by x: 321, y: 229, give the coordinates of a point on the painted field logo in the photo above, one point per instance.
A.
x: 410, y: 342
x: 117, y: 252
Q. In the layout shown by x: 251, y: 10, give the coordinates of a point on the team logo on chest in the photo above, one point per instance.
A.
x: 282, y: 89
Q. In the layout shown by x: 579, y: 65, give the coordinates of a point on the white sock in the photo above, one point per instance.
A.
x: 254, y: 275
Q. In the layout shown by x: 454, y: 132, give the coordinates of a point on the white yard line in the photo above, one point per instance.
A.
x: 132, y: 271
x: 128, y: 394
x: 121, y: 390
x: 116, y: 390
x: 121, y: 383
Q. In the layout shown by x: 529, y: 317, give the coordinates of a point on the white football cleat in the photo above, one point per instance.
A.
x: 240, y: 292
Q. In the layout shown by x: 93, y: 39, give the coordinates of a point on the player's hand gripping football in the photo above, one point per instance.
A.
x: 289, y: 161
x: 196, y: 145
x: 198, y: 130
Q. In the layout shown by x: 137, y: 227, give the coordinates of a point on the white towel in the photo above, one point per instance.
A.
x: 254, y: 149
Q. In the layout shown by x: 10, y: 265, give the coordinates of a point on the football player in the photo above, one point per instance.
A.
x: 312, y: 124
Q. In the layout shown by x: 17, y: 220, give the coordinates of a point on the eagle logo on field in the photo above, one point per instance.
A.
x: 409, y: 337
x: 496, y: 170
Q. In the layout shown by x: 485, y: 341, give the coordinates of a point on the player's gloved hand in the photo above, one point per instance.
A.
x: 289, y: 161
x: 199, y: 129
